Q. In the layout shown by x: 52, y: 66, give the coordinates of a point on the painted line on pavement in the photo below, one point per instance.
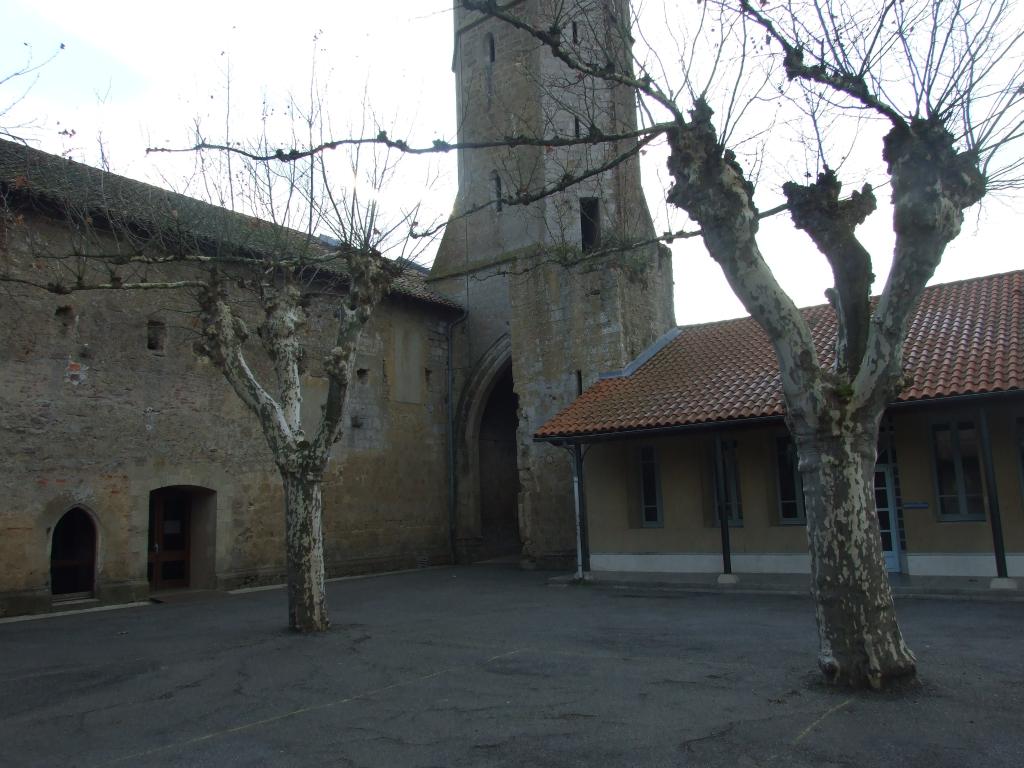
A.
x: 296, y: 712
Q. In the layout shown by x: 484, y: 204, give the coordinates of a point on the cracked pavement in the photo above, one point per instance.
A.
x: 489, y: 666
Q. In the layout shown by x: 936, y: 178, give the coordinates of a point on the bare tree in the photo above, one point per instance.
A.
x: 14, y: 87
x: 238, y: 271
x: 946, y: 77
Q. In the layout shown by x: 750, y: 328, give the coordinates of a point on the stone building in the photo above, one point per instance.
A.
x: 552, y: 296
x: 130, y: 466
x: 128, y: 462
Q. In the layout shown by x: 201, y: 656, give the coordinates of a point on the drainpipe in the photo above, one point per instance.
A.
x: 1002, y: 580
x: 451, y: 434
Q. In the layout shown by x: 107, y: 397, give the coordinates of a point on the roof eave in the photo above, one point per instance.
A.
x: 594, y: 437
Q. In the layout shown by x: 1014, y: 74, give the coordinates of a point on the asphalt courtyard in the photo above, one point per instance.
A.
x: 489, y: 666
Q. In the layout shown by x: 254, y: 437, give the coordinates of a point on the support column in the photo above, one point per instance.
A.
x: 584, y: 527
x: 1002, y: 579
x: 582, y: 558
x: 726, y: 576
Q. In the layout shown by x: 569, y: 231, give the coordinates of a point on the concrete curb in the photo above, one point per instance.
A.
x: 980, y: 594
x: 73, y: 612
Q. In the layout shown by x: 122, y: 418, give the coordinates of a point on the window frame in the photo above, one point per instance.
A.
x: 659, y: 506
x: 724, y: 454
x: 954, y: 425
x: 784, y: 445
x: 1020, y: 452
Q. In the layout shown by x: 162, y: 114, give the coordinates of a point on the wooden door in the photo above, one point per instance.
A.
x: 170, y: 517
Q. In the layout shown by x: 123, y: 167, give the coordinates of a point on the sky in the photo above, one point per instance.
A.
x: 134, y: 75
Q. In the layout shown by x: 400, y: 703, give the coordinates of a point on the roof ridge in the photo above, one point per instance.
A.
x: 634, y: 365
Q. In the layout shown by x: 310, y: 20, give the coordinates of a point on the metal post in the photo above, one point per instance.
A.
x: 993, y: 496
x: 723, y: 518
x: 584, y: 527
x: 577, y: 465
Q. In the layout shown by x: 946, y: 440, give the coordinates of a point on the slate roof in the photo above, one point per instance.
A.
x: 964, y: 338
x: 66, y: 185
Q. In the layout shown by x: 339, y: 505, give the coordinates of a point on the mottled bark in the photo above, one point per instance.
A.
x: 301, y: 460
x: 932, y: 185
x: 304, y: 542
x: 833, y: 413
x: 817, y: 209
x: 860, y: 643
x: 711, y: 188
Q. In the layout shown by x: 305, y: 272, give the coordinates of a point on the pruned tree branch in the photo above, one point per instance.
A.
x: 437, y: 147
x: 818, y: 210
x: 835, y: 78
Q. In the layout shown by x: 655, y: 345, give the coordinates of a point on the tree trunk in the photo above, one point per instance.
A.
x: 304, y: 545
x: 860, y: 641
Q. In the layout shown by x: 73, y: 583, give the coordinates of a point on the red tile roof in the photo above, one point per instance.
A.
x: 964, y: 338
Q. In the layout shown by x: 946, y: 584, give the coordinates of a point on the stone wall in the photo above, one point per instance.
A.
x: 569, y: 325
x: 91, y: 417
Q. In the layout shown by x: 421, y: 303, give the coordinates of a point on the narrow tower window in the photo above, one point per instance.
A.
x: 156, y: 336
x: 576, y: 126
x: 497, y: 190
x: 575, y: 32
x: 590, y: 223
x: 491, y: 52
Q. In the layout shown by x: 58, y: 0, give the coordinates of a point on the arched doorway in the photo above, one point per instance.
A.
x: 182, y: 533
x: 73, y: 556
x: 499, y: 476
x: 486, y: 471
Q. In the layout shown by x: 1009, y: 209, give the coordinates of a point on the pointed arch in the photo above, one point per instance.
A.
x: 494, y: 367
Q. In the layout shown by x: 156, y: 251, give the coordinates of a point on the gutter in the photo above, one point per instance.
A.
x: 602, y: 436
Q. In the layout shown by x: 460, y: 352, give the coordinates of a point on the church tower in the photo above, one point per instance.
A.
x: 555, y: 290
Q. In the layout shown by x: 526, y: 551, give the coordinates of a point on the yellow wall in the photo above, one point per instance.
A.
x: 925, y: 531
x: 613, y: 493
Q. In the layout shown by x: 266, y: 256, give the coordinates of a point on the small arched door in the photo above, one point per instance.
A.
x: 73, y: 555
